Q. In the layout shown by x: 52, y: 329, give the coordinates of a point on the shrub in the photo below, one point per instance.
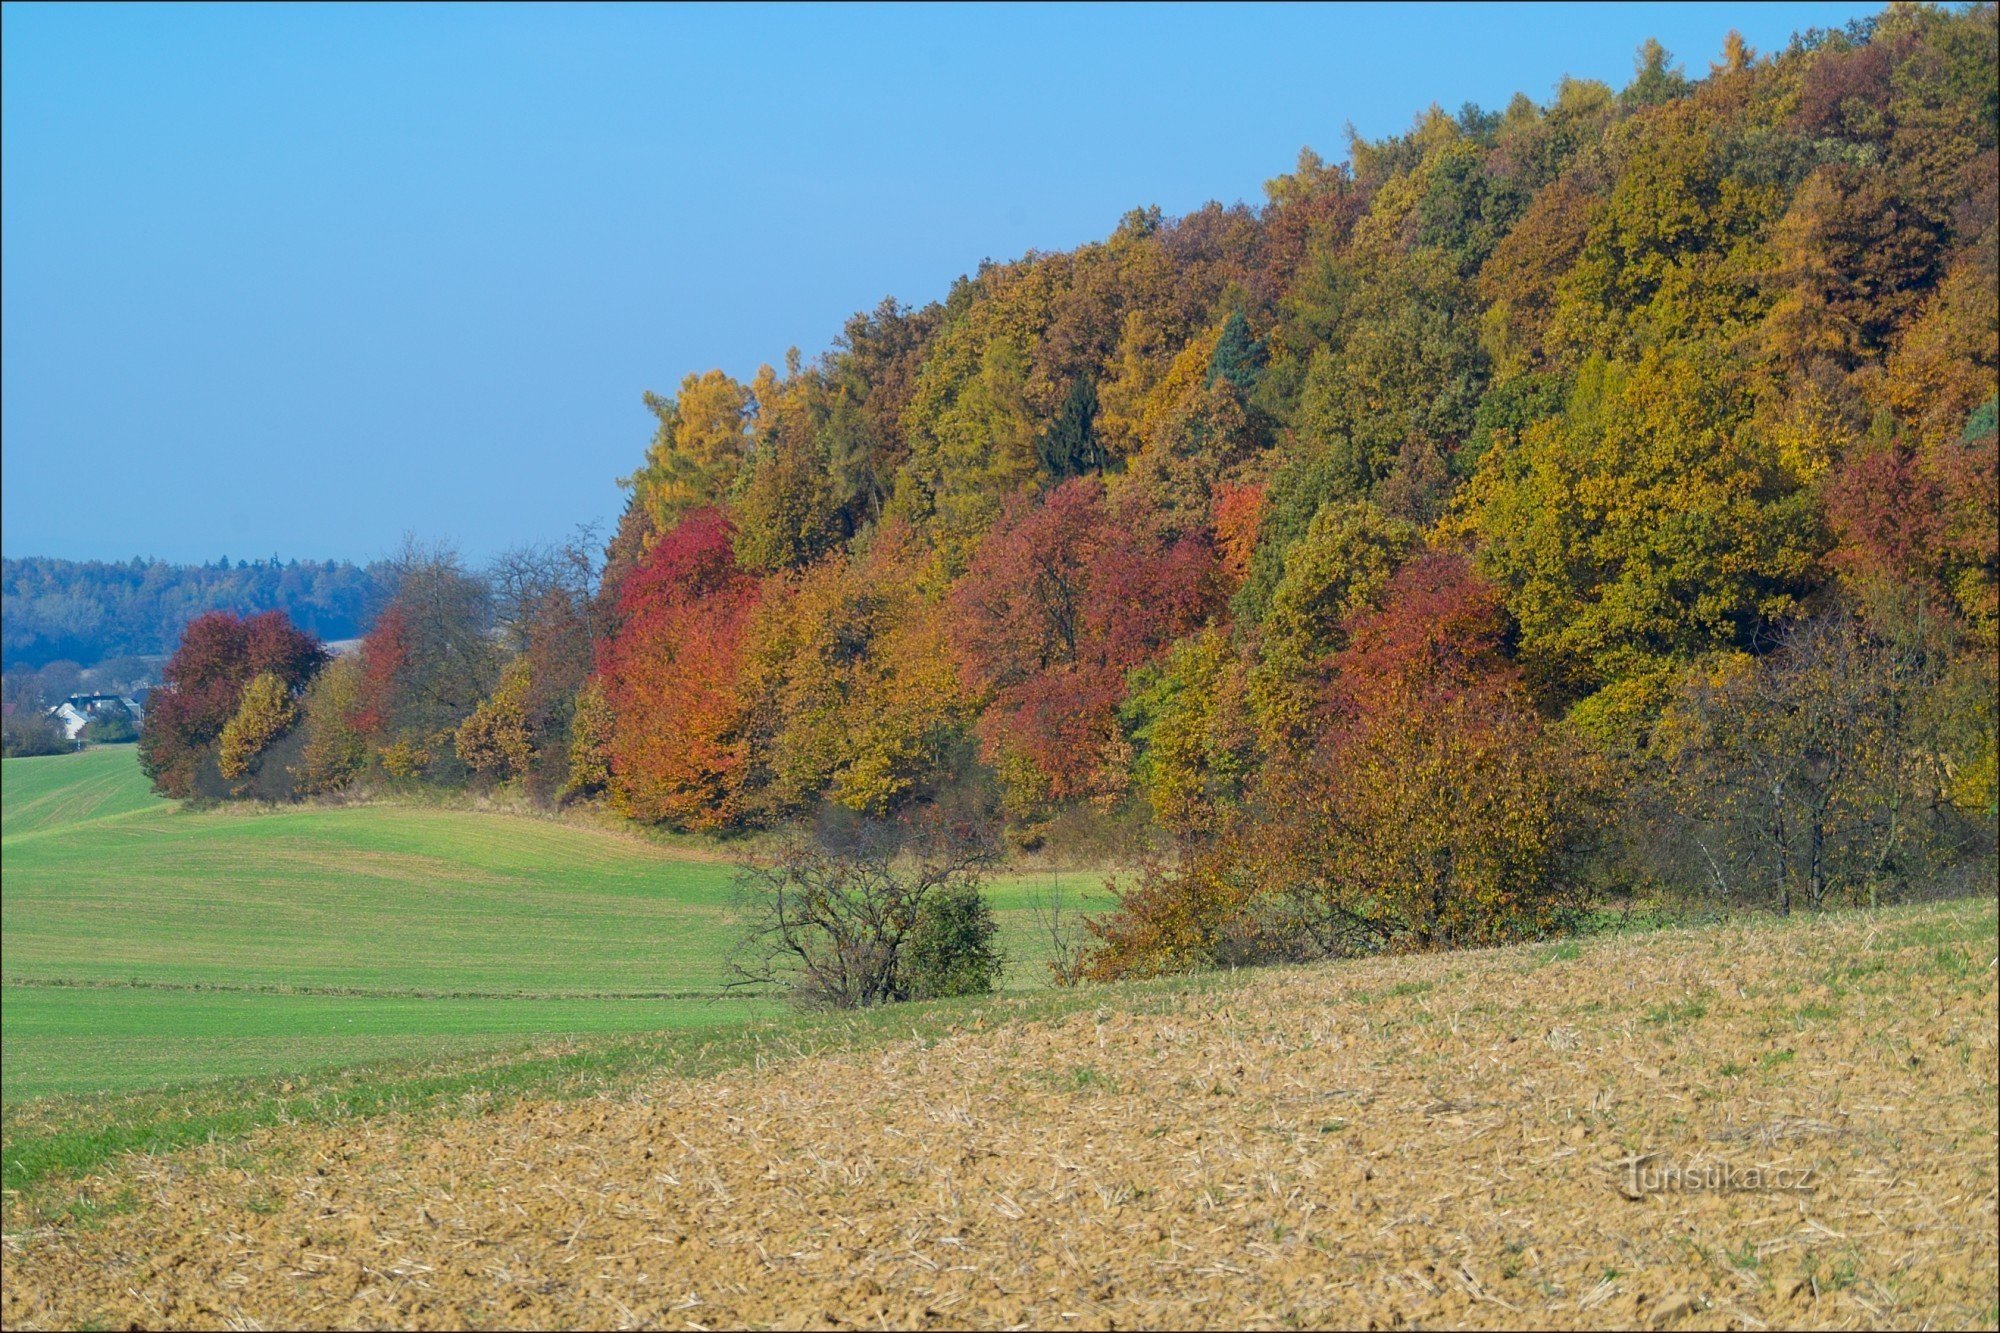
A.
x: 111, y: 724
x: 951, y: 949
x: 334, y: 751
x: 219, y: 655
x: 495, y: 739
x: 834, y: 912
x: 29, y: 731
x: 589, y: 745
x: 1823, y: 771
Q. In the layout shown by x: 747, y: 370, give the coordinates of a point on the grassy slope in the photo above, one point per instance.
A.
x: 173, y: 931
x: 66, y: 790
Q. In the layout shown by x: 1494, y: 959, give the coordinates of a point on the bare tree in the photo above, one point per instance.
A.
x: 446, y: 611
x: 1060, y: 923
x: 546, y: 609
x: 1814, y: 773
x: 831, y: 909
x: 527, y: 579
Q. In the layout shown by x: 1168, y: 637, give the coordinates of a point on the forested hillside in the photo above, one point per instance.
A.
x: 92, y: 610
x: 1562, y: 498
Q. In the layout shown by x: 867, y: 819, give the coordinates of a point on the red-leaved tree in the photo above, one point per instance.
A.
x: 1065, y: 597
x: 1436, y: 809
x: 669, y: 673
x: 1924, y: 520
x: 219, y: 654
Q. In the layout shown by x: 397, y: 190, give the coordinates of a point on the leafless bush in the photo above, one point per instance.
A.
x: 831, y: 909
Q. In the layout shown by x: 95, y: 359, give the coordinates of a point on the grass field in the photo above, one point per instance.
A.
x: 149, y: 946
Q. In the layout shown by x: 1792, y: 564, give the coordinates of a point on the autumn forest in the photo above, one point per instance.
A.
x: 1545, y: 506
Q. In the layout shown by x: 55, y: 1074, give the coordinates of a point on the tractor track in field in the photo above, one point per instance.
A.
x: 376, y: 992
x: 1452, y: 1139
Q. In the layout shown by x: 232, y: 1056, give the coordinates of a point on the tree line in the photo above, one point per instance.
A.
x: 1581, y: 498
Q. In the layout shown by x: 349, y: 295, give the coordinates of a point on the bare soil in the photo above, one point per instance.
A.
x: 1464, y: 1139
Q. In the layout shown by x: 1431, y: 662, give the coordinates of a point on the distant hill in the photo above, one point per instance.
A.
x: 89, y: 611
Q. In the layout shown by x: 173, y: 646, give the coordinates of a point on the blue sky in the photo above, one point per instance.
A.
x: 300, y: 279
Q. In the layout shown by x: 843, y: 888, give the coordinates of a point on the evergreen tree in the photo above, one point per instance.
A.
x: 1070, y: 448
x: 1238, y: 357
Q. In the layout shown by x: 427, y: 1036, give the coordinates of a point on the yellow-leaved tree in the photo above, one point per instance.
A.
x: 697, y: 450
x: 494, y: 740
x: 1647, y: 525
x: 266, y: 712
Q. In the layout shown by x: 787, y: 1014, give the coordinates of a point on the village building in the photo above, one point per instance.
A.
x: 74, y: 713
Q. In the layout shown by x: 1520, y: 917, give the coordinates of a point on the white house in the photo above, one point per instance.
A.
x: 74, y: 713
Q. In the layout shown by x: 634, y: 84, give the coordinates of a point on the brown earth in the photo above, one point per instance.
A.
x: 1421, y: 1141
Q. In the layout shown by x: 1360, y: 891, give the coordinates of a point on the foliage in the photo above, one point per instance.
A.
x: 29, y: 730
x: 428, y: 661
x: 1064, y: 598
x: 266, y: 712
x: 1437, y: 809
x: 1549, y: 405
x: 786, y: 516
x: 698, y: 449
x: 1335, y: 571
x: 1646, y: 523
x: 590, y: 744
x: 546, y: 603
x: 677, y: 749
x: 1176, y: 916
x: 205, y: 682
x: 951, y: 947
x: 1193, y: 734
x: 850, y: 686
x: 494, y: 740
x: 111, y: 723
x: 1070, y: 447
x: 335, y: 750
x: 1819, y: 773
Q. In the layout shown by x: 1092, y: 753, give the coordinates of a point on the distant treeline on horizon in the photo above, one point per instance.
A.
x: 89, y: 611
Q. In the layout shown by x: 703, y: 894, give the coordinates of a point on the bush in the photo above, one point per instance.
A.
x: 219, y: 655
x: 29, y: 731
x: 835, y: 913
x: 951, y: 949
x: 1823, y: 772
x: 111, y: 724
x: 334, y: 752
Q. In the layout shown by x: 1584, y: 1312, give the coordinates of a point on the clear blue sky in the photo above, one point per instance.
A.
x: 299, y: 279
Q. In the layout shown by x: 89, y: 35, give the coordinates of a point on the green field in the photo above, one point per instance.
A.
x: 149, y: 946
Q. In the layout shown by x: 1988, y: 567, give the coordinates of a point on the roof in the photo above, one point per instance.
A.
x: 87, y: 702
